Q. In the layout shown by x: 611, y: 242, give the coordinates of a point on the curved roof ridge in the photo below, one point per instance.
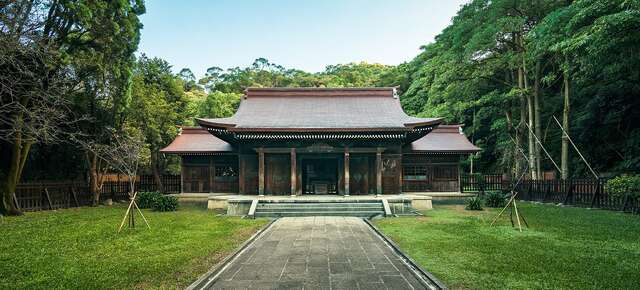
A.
x: 264, y: 109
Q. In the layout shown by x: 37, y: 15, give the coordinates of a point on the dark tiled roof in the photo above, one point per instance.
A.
x: 319, y: 109
x: 443, y: 139
x: 196, y: 140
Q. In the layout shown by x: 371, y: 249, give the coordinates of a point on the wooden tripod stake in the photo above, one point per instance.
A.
x: 130, y: 214
x: 514, y: 208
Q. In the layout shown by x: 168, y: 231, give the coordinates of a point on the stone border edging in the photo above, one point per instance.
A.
x: 210, y: 276
x: 420, y: 273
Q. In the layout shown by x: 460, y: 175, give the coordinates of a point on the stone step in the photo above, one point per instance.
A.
x: 321, y: 210
x: 342, y: 204
x: 279, y: 206
x: 319, y: 213
x: 293, y: 209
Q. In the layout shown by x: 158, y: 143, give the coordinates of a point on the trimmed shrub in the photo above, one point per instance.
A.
x: 495, y: 199
x: 147, y: 199
x: 166, y: 203
x: 474, y: 203
x: 628, y: 185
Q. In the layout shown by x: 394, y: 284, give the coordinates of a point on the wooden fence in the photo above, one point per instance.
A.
x: 590, y: 193
x: 482, y: 182
x: 34, y: 196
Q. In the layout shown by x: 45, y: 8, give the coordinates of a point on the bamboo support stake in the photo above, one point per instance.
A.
x: 143, y: 218
x: 515, y: 207
x: 543, y: 148
x: 125, y: 217
x: 576, y: 147
x: 513, y: 195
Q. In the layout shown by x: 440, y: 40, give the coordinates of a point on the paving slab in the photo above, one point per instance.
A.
x: 317, y: 253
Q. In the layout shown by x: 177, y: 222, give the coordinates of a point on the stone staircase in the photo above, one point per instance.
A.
x: 359, y: 208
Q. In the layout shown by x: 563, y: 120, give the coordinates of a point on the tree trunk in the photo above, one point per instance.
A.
x: 523, y: 119
x: 156, y: 172
x: 528, y: 98
x: 20, y: 151
x: 537, y: 119
x: 94, y: 174
x: 564, y: 155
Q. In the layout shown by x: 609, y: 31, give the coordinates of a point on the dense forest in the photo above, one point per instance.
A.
x: 72, y: 81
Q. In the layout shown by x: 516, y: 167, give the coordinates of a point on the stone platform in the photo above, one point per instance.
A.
x: 398, y: 204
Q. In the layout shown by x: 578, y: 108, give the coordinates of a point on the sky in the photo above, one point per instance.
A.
x: 302, y: 34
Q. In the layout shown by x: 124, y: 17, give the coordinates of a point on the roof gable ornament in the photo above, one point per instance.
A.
x: 320, y: 147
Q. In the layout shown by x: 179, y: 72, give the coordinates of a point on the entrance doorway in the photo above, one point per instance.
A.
x: 319, y: 175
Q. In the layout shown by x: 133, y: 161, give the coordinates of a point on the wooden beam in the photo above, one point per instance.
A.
x: 260, y: 171
x: 294, y: 172
x: 379, y: 172
x: 346, y: 171
x: 285, y: 150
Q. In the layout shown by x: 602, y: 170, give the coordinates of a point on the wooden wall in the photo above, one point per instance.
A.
x: 215, y: 173
x: 422, y: 172
x: 234, y: 173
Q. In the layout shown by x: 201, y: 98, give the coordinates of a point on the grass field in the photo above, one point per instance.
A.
x: 79, y: 248
x: 565, y: 248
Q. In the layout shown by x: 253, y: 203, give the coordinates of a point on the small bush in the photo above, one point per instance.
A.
x: 495, y: 199
x: 147, y: 199
x: 166, y: 203
x: 625, y: 185
x: 474, y: 203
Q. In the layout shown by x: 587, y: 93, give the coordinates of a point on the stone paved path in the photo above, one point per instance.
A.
x: 317, y: 253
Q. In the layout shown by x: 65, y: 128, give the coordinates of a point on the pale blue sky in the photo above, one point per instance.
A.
x: 301, y: 34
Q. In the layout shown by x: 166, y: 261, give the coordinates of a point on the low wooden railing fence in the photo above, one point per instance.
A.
x: 590, y: 193
x: 34, y: 196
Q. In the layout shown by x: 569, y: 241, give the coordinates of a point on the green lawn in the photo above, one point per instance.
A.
x: 79, y: 248
x: 565, y: 248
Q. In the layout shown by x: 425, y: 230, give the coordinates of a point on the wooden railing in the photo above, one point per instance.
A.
x: 590, y: 193
x: 34, y: 196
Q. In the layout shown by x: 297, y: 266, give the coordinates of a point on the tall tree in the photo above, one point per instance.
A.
x: 64, y: 36
x: 158, y: 105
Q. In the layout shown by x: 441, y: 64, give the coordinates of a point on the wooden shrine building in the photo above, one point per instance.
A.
x: 301, y: 141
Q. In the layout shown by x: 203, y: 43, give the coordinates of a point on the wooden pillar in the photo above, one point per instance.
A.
x: 241, y: 168
x: 212, y: 173
x: 400, y: 174
x: 294, y: 172
x: 260, y: 171
x: 379, y: 172
x: 182, y: 173
x: 346, y: 171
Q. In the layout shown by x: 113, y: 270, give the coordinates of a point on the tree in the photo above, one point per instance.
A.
x: 32, y: 110
x: 158, y: 105
x: 54, y: 39
x: 102, y: 57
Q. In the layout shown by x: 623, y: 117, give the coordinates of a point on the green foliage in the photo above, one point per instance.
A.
x: 628, y: 185
x: 473, y: 67
x: 147, y: 199
x: 495, y: 199
x: 263, y: 73
x: 474, y: 203
x: 166, y: 203
x: 158, y: 104
x: 218, y: 105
